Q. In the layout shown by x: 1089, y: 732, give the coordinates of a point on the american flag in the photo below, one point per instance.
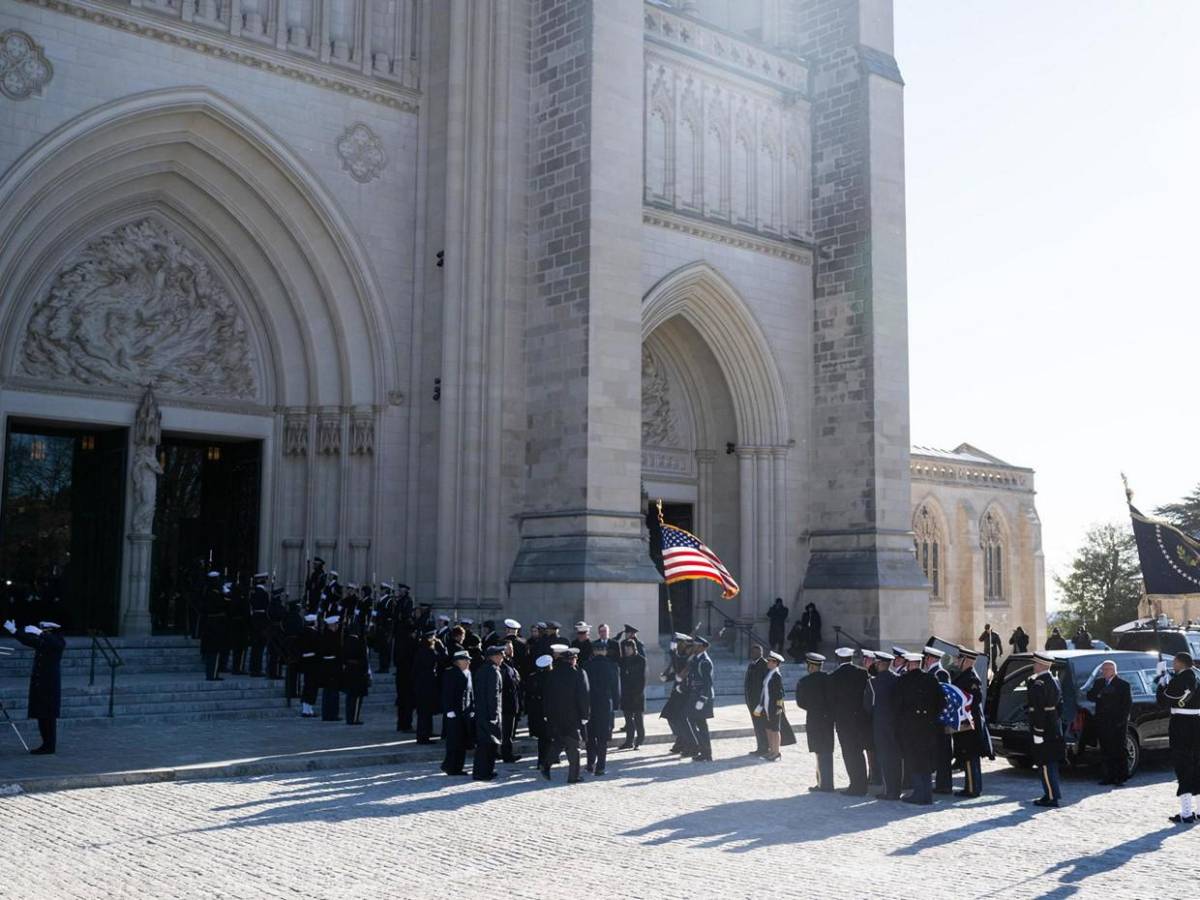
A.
x: 685, y: 557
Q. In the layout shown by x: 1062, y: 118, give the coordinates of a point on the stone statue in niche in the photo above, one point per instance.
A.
x: 145, y: 488
x: 138, y: 307
x: 147, y: 426
x: 658, y: 422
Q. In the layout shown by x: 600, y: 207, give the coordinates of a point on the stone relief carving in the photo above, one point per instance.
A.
x: 329, y: 435
x: 658, y: 422
x: 295, y: 434
x: 362, y: 153
x: 147, y: 425
x: 145, y: 487
x: 24, y: 69
x: 362, y: 435
x: 138, y: 307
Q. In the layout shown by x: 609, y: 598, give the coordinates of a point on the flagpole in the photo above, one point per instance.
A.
x: 667, y: 587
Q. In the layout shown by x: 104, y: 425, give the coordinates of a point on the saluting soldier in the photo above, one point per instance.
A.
x: 970, y: 745
x: 1043, y: 700
x: 45, y: 679
x: 458, y: 705
x: 846, y: 686
x: 812, y: 695
x: 675, y: 709
x: 1180, y: 693
x: 918, y: 705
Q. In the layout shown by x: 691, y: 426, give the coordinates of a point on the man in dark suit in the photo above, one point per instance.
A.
x: 846, y: 687
x: 752, y: 689
x: 1113, y: 700
x: 45, y: 680
x: 458, y: 705
x: 812, y: 695
x: 604, y: 690
x: 489, y: 714
x: 567, y: 706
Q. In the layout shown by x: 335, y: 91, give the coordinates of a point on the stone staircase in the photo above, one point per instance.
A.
x: 161, y: 682
x: 729, y: 673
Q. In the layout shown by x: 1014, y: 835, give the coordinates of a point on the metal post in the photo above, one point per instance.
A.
x: 92, y: 676
x: 112, y: 687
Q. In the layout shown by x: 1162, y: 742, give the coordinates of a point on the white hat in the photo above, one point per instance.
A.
x: 778, y: 657
x: 582, y: 626
x: 45, y: 625
x: 511, y: 623
x: 558, y: 648
x: 332, y: 620
x: 214, y: 574
x: 311, y: 617
x: 933, y: 651
x: 912, y: 657
x: 544, y: 660
x: 844, y: 652
x: 443, y: 618
x: 466, y: 621
x: 816, y: 658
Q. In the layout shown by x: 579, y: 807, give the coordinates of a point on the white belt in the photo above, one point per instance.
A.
x: 1185, y: 712
x: 306, y: 655
x: 328, y: 657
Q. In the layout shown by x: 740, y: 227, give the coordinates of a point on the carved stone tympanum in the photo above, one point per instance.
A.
x: 137, y: 307
x: 658, y: 422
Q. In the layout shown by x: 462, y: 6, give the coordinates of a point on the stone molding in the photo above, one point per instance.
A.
x: 191, y: 36
x: 941, y: 472
x: 361, y: 153
x: 721, y: 234
x: 24, y: 69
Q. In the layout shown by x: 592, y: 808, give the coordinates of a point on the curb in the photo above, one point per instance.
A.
x: 317, y: 761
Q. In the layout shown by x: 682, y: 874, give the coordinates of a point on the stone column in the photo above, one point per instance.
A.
x: 862, y: 571
x: 144, y: 470
x: 747, y: 532
x: 135, y: 613
x: 583, y: 548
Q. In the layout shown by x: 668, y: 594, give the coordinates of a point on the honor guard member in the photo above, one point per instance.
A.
x: 879, y: 699
x: 812, y: 696
x: 443, y: 629
x: 45, y: 679
x: 520, y: 650
x: 633, y: 694
x: 458, y: 705
x: 213, y: 626
x: 489, y: 714
x: 971, y: 744
x: 771, y: 709
x: 308, y: 645
x: 535, y: 706
x: 356, y: 670
x: 604, y: 694
x: 428, y: 662
x: 846, y: 686
x: 630, y: 633
x: 405, y: 637
x: 260, y: 621
x: 512, y: 705
x: 239, y: 625
x: 567, y: 706
x: 1044, y: 703
x: 752, y: 686
x: 1114, y: 700
x: 277, y: 636
x: 700, y: 694
x: 1180, y: 693
x: 329, y: 665
x: 384, y: 627
x: 583, y: 641
x: 314, y: 584
x: 943, y: 779
x: 675, y: 709
x: 918, y: 704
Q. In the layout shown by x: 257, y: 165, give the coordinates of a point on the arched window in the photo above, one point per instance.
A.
x: 929, y: 546
x: 991, y: 541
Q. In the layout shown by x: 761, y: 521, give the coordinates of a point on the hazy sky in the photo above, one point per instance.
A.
x: 1052, y: 158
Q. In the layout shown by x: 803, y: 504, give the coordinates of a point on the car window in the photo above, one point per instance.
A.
x: 1194, y: 642
x: 1010, y: 706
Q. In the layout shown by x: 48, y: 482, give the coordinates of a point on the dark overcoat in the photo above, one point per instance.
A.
x: 812, y: 695
x: 1043, y: 701
x: 633, y: 683
x: 489, y: 704
x: 45, y: 681
x: 566, y: 701
x: 604, y: 692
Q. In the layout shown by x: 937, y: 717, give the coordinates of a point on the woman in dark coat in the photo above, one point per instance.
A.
x: 428, y: 661
x: 810, y: 624
x: 45, y: 681
x: 633, y: 694
x: 771, y: 706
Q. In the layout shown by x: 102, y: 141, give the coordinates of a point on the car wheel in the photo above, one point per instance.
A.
x: 1020, y: 762
x: 1133, y: 751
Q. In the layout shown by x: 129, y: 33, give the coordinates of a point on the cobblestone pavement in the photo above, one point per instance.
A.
x: 653, y: 827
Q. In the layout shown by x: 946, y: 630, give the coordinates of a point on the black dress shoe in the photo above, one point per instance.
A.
x: 943, y: 790
x: 491, y: 777
x: 545, y: 772
x: 1178, y: 819
x: 574, y: 780
x: 625, y: 746
x: 598, y: 772
x: 1105, y: 781
x: 757, y: 753
x: 772, y: 757
x: 916, y: 802
x: 42, y: 751
x: 965, y: 794
x: 851, y: 792
x: 1046, y: 803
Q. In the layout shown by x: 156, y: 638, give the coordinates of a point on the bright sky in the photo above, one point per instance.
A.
x: 1052, y: 163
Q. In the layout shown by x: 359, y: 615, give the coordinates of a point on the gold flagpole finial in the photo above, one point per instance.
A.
x: 1128, y: 491
x: 658, y: 503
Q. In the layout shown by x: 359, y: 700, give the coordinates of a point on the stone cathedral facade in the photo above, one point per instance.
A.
x: 449, y: 292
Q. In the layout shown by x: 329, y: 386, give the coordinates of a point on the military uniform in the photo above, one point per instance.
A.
x: 567, y: 705
x: 458, y: 705
x: 260, y: 605
x: 213, y: 627
x: 1180, y: 693
x: 511, y: 708
x: 772, y: 712
x: 879, y: 698
x: 356, y: 674
x: 604, y: 694
x: 633, y: 698
x: 918, y: 704
x: 1044, y: 704
x: 45, y: 679
x: 489, y: 718
x: 812, y: 695
x: 972, y: 744
x: 428, y: 663
x: 846, y: 686
x: 700, y: 693
x: 329, y: 669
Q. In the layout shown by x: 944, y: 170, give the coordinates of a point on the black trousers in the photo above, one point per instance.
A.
x: 211, y: 661
x: 309, y: 693
x: 48, y: 729
x: 568, y: 744
x: 1112, y: 754
x: 943, y: 774
x: 484, y: 765
x: 854, y: 757
x: 760, y: 733
x: 636, y: 730
x: 330, y: 702
x: 354, y: 705
x: 291, y: 682
x: 456, y: 746
x: 699, y: 726
x: 425, y: 726
x: 385, y: 657
x: 597, y: 748
x: 257, y: 649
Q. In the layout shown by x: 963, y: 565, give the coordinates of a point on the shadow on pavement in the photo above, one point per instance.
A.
x: 1071, y: 872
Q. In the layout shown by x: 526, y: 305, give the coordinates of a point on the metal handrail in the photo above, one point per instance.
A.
x: 743, y: 629
x: 839, y: 630
x: 112, y: 657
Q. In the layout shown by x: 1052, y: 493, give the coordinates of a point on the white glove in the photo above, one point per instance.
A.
x: 1038, y: 740
x: 32, y: 629
x: 451, y: 715
x: 758, y: 710
x: 699, y: 705
x: 583, y: 721
x: 10, y: 626
x: 1161, y: 668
